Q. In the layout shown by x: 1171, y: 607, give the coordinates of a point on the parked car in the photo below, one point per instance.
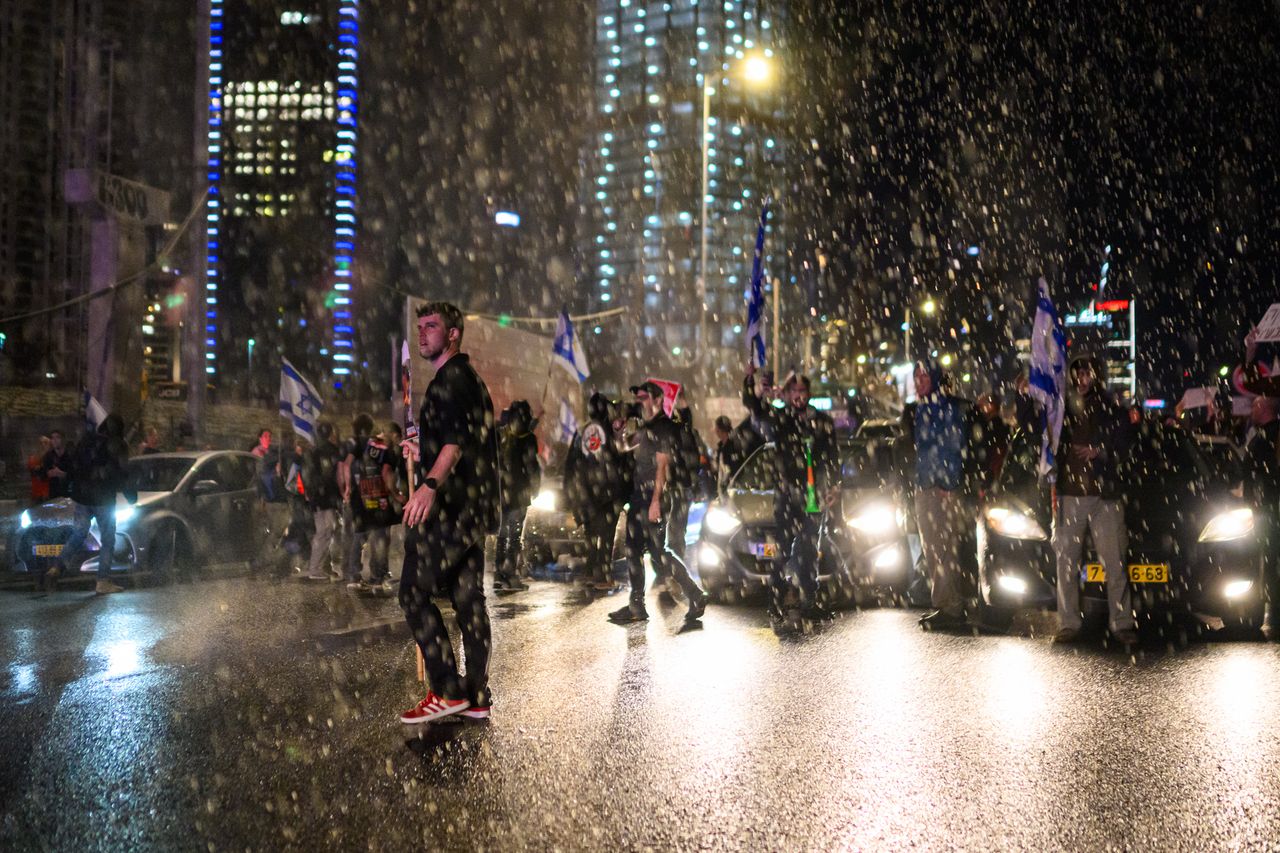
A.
x: 192, y: 508
x: 862, y: 545
x: 1191, y: 537
x: 550, y: 531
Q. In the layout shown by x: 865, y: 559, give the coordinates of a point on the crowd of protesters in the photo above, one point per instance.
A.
x: 333, y: 502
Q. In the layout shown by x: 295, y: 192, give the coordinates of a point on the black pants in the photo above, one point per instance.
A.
x: 599, y: 529
x: 797, y: 547
x: 455, y: 569
x: 677, y: 523
x: 645, y: 536
x: 507, y: 553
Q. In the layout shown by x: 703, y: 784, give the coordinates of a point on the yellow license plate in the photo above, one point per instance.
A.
x: 48, y: 550
x: 767, y: 550
x: 1138, y: 573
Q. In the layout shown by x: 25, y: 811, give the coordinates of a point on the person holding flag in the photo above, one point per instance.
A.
x: 807, y: 471
x: 1098, y: 435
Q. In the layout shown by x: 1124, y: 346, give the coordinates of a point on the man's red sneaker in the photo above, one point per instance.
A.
x: 433, y: 708
x: 477, y: 712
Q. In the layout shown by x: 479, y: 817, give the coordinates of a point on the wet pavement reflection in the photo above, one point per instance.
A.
x: 213, y: 713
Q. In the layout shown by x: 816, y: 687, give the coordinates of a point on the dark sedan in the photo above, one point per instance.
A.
x: 192, y: 507
x: 862, y: 549
x: 1192, y: 546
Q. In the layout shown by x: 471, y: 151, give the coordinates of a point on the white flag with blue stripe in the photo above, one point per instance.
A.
x: 568, y: 422
x: 94, y: 412
x: 567, y: 350
x: 1048, y: 375
x: 755, y: 296
x: 299, y: 401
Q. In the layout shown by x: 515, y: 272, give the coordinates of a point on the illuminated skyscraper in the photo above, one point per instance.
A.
x: 658, y: 67
x: 281, y: 210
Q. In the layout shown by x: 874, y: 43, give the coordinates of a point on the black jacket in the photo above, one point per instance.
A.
x: 521, y: 473
x: 1098, y: 421
x: 793, y: 432
x: 596, y: 476
x: 98, y: 473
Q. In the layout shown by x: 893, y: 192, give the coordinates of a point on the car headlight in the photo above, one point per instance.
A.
x: 24, y: 520
x: 125, y: 514
x: 1013, y: 524
x: 1225, y: 526
x: 709, y: 557
x: 721, y: 522
x: 545, y: 501
x: 876, y: 518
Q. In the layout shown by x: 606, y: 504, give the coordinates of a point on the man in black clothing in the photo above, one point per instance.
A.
x: 96, y: 475
x: 595, y: 488
x: 658, y: 442
x: 370, y: 479
x: 521, y: 478
x: 56, y: 463
x: 447, y: 519
x: 320, y: 472
x: 686, y: 469
x: 729, y: 453
x: 807, y: 474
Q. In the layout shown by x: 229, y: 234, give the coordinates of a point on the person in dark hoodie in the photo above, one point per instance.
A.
x: 1097, y: 436
x: 521, y: 479
x: 807, y: 471
x: 936, y: 437
x: 596, y: 486
x: 97, y: 475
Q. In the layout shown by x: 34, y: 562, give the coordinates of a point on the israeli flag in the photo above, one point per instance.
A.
x: 755, y: 297
x: 568, y: 422
x: 299, y: 401
x: 1048, y: 376
x: 94, y: 412
x: 567, y: 349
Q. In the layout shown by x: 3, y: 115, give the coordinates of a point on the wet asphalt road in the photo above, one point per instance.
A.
x: 237, y: 713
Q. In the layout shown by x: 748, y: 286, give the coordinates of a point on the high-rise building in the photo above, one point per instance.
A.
x: 666, y: 72
x: 281, y: 206
x: 99, y: 86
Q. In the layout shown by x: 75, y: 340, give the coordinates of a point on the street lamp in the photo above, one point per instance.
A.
x: 757, y: 71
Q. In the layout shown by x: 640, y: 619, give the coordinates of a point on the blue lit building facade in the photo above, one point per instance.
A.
x: 645, y: 170
x: 282, y: 181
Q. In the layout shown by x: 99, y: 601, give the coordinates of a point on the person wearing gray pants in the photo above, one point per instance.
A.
x: 1097, y: 437
x: 1105, y: 520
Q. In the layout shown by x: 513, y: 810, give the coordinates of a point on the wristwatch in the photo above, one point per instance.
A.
x: 430, y: 483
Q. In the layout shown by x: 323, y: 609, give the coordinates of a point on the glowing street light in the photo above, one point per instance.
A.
x: 757, y: 71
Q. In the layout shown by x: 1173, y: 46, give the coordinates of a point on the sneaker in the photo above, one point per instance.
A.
x: 941, y: 620
x: 630, y: 613
x: 697, y: 606
x: 360, y: 587
x: 476, y: 712
x: 817, y: 613
x: 603, y: 585
x: 1127, y: 637
x: 507, y: 583
x: 1066, y: 636
x: 107, y: 588
x: 433, y: 708
x: 314, y: 578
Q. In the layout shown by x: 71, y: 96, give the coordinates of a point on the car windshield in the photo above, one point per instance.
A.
x: 866, y: 463
x: 756, y: 474
x: 158, y: 474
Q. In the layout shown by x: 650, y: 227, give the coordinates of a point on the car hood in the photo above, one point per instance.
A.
x: 62, y: 511
x: 752, y: 508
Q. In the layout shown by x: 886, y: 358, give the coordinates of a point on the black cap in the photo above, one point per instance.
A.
x: 650, y: 388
